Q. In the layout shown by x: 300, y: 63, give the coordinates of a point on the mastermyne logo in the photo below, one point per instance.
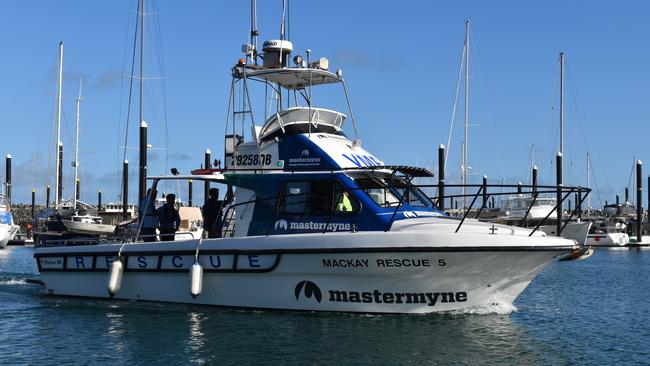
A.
x: 281, y: 224
x: 309, y: 289
x: 305, y: 153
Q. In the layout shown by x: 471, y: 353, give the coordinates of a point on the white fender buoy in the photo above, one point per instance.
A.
x: 115, y: 277
x: 196, y: 279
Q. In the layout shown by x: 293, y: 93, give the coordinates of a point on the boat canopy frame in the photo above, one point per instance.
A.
x: 290, y: 78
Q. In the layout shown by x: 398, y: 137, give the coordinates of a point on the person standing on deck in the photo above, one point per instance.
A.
x: 148, y: 216
x: 169, y: 219
x: 212, y: 214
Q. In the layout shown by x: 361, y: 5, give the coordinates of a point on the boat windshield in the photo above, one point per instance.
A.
x: 318, y: 198
x: 388, y: 191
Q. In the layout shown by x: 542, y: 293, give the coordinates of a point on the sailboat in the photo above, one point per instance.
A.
x: 533, y: 210
x: 48, y: 225
x: 67, y: 219
x: 84, y: 221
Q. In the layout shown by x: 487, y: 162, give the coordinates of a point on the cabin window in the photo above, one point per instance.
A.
x: 412, y: 195
x: 378, y: 191
x: 318, y: 198
x: 386, y: 192
x: 296, y: 197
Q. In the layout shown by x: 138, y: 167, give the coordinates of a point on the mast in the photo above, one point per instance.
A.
x: 588, y: 178
x: 562, y: 102
x: 57, y: 185
x: 532, y: 160
x: 465, y: 123
x: 143, y: 157
x: 76, y: 145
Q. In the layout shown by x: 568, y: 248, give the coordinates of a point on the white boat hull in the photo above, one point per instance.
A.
x: 4, y: 236
x: 577, y: 231
x: 323, y: 275
x: 7, y: 233
x: 608, y: 239
x: 88, y: 228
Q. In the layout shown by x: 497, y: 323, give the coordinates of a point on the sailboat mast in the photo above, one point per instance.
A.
x: 532, y: 161
x: 76, y: 146
x: 143, y: 154
x: 465, y: 123
x: 57, y: 185
x: 588, y: 179
x: 562, y: 102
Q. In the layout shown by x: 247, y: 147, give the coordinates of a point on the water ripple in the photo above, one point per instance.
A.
x: 586, y: 312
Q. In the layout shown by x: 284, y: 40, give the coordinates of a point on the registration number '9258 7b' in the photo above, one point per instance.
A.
x: 252, y: 159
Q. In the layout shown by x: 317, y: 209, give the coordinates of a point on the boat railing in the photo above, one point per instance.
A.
x: 563, y: 193
x: 71, y: 242
x: 185, y: 233
x: 484, y: 191
x: 267, y: 207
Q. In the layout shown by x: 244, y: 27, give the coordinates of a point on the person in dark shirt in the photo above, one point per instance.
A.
x: 169, y: 219
x: 212, y: 214
x: 148, y: 216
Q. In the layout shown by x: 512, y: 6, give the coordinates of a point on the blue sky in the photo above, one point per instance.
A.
x: 400, y: 61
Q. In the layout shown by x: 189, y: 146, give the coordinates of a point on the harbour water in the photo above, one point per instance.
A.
x: 593, y: 311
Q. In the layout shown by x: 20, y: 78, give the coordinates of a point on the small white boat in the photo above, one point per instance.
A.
x: 88, y: 225
x: 8, y: 229
x: 516, y: 209
x: 608, y: 233
x: 573, y: 230
x: 520, y: 207
x: 608, y: 239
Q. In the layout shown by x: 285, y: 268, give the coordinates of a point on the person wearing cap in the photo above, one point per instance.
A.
x: 169, y: 219
x: 212, y: 212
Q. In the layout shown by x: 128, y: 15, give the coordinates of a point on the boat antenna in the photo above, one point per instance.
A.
x: 58, y: 189
x: 282, y: 21
x: 309, y: 92
x: 75, y: 163
x: 254, y: 31
x: 282, y: 38
x: 288, y: 21
x: 466, y: 121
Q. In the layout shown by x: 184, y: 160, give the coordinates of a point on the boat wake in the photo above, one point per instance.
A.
x: 13, y: 282
x: 492, y: 309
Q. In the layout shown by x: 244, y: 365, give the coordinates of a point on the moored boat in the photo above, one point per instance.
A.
x: 88, y: 224
x: 608, y: 233
x: 531, y: 211
x: 8, y: 228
